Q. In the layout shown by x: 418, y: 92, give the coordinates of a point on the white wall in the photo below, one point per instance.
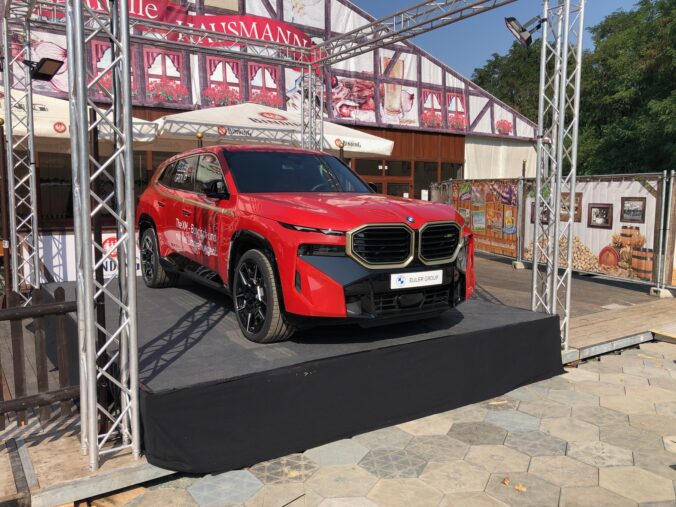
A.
x: 498, y: 158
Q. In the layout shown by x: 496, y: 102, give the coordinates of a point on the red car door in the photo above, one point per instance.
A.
x: 183, y: 212
x: 213, y: 212
x: 166, y: 205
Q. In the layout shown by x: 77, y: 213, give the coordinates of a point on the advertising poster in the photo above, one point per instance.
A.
x: 492, y: 209
x: 614, y: 229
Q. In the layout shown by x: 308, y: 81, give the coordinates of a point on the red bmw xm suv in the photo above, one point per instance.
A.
x: 296, y: 237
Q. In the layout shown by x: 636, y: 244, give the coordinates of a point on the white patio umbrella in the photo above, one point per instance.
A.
x: 257, y: 124
x: 51, y: 125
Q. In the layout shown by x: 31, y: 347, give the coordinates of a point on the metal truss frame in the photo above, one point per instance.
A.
x: 107, y: 428
x: 558, y: 121
x: 21, y: 177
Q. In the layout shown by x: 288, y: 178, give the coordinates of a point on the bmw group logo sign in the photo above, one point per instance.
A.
x: 401, y: 281
x: 410, y: 220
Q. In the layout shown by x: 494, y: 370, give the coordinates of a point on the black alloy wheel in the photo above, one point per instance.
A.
x: 259, y: 313
x: 154, y: 275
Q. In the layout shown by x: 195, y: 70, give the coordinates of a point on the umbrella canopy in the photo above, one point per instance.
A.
x: 258, y: 124
x: 51, y: 125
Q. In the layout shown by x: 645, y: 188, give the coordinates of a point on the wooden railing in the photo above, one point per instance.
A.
x: 46, y: 395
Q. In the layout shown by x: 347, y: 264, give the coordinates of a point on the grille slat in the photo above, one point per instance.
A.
x: 439, y: 241
x: 382, y: 245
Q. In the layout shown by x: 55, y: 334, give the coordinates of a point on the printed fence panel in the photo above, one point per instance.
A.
x: 491, y: 208
x: 616, y: 226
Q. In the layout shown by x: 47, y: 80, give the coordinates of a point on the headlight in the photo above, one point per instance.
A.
x: 302, y: 228
x: 461, y: 260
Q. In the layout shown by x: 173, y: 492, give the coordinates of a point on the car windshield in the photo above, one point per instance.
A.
x: 278, y: 171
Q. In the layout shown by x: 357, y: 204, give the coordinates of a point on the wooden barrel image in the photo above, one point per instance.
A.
x: 608, y: 256
x: 647, y: 273
x: 638, y: 262
x: 628, y: 235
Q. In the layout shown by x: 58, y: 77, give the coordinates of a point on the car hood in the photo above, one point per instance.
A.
x: 344, y: 211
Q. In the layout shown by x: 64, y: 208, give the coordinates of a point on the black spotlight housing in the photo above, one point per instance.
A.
x: 44, y: 70
x: 523, y: 33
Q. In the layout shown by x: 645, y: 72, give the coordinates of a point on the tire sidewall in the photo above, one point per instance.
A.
x: 267, y: 269
x: 150, y: 232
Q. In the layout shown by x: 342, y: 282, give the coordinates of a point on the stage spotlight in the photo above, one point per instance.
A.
x: 44, y: 70
x: 523, y: 33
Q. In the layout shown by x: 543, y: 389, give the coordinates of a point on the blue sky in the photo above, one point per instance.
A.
x: 469, y: 43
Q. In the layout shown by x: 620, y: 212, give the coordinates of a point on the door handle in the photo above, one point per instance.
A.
x: 186, y: 212
x: 160, y: 204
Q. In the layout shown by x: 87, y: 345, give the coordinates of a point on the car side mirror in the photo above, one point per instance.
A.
x: 215, y: 189
x: 374, y: 187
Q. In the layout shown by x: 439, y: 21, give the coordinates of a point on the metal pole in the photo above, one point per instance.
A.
x: 519, y: 222
x: 541, y: 161
x: 670, y: 201
x: 660, y: 244
x: 3, y: 210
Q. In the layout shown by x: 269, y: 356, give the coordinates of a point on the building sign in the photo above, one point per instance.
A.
x: 399, y: 86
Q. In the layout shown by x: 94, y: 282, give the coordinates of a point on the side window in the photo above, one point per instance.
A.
x: 168, y: 173
x: 208, y: 171
x: 183, y: 177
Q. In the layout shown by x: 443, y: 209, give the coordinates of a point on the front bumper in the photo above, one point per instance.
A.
x: 341, y: 288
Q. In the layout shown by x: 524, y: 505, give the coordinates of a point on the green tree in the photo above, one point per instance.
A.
x: 628, y: 99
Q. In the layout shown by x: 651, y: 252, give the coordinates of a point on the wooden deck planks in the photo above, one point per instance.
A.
x: 608, y: 325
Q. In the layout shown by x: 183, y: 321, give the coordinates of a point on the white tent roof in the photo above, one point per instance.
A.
x: 254, y: 123
x: 51, y: 124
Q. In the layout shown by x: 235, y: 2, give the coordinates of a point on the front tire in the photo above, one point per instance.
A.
x: 154, y: 275
x: 257, y: 302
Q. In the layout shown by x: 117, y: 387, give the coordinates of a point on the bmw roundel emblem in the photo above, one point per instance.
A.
x: 401, y: 281
x: 410, y: 220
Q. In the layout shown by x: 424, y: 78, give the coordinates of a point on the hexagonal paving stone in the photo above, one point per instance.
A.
x: 599, y: 367
x: 497, y: 458
x: 393, y: 463
x: 469, y: 413
x: 438, y: 448
x: 342, y: 480
x: 342, y: 452
x: 455, y: 476
x: 471, y: 500
x: 636, y: 484
x: 600, y: 454
x: 437, y: 424
x: 623, y: 435
x: 404, y: 493
x: 544, y: 408
x: 348, y: 502
x: 652, y: 393
x: 666, y: 408
x: 478, y: 433
x: 646, y: 371
x: 386, y: 438
x: 573, y: 398
x: 527, y: 393
x: 623, y: 379
x: 558, y: 382
x: 165, y: 497
x: 664, y: 383
x: 628, y: 404
x: 277, y: 495
x: 598, y: 497
x: 513, y: 420
x: 564, y: 471
x: 291, y: 468
x: 536, y: 443
x: 600, y: 416
x: 536, y: 493
x: 600, y: 388
x: 230, y: 488
x: 657, y: 462
x: 570, y: 429
x: 502, y: 403
x: 661, y: 424
x: 580, y: 375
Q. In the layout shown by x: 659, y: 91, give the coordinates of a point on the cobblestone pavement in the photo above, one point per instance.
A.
x: 603, y: 434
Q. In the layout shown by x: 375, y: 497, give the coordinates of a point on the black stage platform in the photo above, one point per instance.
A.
x: 213, y: 401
